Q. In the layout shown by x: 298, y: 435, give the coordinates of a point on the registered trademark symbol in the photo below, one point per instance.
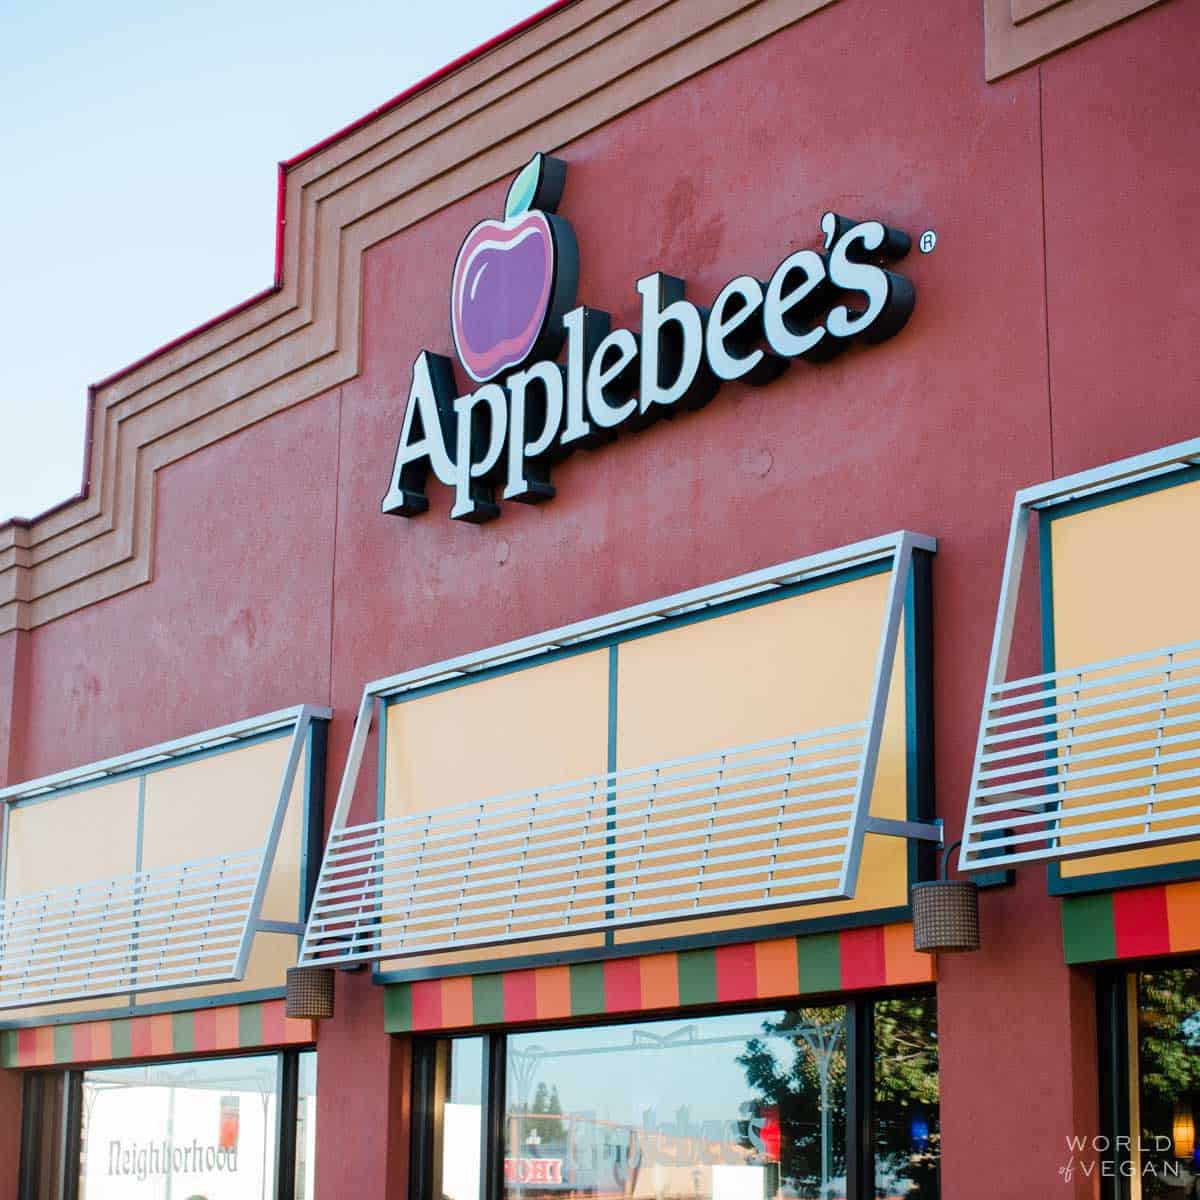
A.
x: 928, y: 241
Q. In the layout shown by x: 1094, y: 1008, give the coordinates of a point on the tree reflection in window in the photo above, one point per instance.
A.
x: 1166, y: 1092
x: 906, y: 1113
x: 706, y: 1109
x: 740, y: 1106
x: 802, y: 1109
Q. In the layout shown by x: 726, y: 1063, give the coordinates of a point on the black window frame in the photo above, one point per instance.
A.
x: 68, y: 1132
x: 1112, y: 1037
x: 860, y: 1089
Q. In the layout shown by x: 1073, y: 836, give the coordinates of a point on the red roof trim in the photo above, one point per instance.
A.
x: 280, y: 221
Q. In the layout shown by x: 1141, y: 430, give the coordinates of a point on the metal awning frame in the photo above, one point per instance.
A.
x: 150, y: 756
x: 299, y: 719
x: 897, y: 547
x: 1110, y: 476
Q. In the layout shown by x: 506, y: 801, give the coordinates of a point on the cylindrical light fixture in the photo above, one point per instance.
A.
x: 945, y: 914
x: 309, y: 993
x: 1183, y: 1132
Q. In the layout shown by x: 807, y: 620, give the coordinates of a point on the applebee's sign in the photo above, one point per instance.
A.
x: 512, y: 307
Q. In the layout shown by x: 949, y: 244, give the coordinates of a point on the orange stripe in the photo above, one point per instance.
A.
x: 903, y: 964
x: 81, y: 1043
x: 162, y: 1034
x: 553, y: 989
x: 660, y: 981
x: 297, y: 1032
x: 228, y: 1033
x: 43, y: 1046
x: 101, y: 1041
x: 1183, y: 916
x: 456, y: 1002
x: 776, y: 968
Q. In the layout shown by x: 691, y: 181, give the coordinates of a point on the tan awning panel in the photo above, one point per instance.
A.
x: 1099, y: 758
x: 157, y: 920
x: 736, y: 828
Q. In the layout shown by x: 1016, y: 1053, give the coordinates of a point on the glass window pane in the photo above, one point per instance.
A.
x: 306, y: 1124
x: 457, y: 1119
x: 907, y: 1130
x: 1165, y: 1087
x: 742, y: 1107
x: 169, y: 1131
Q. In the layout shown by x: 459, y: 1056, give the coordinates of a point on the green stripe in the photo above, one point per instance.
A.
x: 819, y: 957
x: 397, y: 1008
x: 1088, y: 931
x: 487, y: 999
x: 122, y: 1045
x: 250, y: 1025
x: 8, y: 1049
x: 697, y: 973
x: 183, y: 1032
x: 63, y: 1052
x: 587, y: 988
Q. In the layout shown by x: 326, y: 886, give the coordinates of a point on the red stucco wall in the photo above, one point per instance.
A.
x: 1055, y: 329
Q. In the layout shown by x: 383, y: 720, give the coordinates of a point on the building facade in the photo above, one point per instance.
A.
x: 703, y: 468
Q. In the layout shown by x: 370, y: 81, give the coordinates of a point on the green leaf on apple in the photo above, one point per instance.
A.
x: 524, y: 188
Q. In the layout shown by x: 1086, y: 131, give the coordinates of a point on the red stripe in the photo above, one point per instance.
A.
x: 141, y: 1043
x: 864, y: 963
x: 81, y: 1043
x: 520, y: 995
x: 26, y: 1047
x: 737, y: 977
x: 204, y: 1029
x: 427, y: 1004
x: 274, y: 1023
x: 1140, y: 922
x: 622, y: 985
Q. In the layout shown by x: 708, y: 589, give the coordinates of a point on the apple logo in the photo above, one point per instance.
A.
x: 515, y: 279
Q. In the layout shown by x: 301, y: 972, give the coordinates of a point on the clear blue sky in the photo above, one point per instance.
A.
x: 138, y: 151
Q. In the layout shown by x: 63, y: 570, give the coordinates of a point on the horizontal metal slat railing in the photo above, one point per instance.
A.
x: 170, y: 927
x: 1090, y: 760
x: 747, y: 827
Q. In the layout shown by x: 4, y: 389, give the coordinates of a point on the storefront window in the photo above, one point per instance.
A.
x: 1165, y: 1086
x: 205, y: 1130
x: 722, y: 1108
x: 455, y: 1107
x: 907, y: 1129
x: 742, y: 1106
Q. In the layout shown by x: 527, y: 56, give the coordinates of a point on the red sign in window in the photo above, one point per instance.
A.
x: 533, y: 1170
x: 230, y: 1122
